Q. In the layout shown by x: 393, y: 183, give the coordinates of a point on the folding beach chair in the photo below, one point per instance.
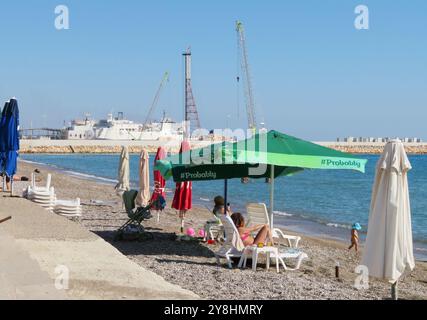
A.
x: 233, y: 246
x: 258, y: 214
x: 133, y: 228
x: 214, y: 230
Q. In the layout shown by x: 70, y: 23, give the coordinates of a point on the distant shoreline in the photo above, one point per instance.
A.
x: 374, y: 148
x: 114, y: 147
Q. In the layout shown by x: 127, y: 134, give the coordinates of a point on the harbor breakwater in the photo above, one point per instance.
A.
x: 113, y: 147
x: 374, y: 148
x: 99, y: 146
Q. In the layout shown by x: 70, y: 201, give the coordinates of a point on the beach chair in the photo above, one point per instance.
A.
x: 233, y: 246
x: 36, y: 188
x: 133, y: 227
x: 258, y: 214
x: 286, y: 254
x: 214, y: 230
x: 46, y: 199
x: 68, y: 208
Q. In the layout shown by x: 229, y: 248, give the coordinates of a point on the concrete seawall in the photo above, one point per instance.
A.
x: 373, y: 147
x: 113, y: 147
x: 100, y: 146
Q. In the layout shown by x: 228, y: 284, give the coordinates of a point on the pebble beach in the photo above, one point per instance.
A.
x: 192, y: 265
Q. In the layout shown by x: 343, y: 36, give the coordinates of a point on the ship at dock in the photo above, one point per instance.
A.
x: 121, y: 129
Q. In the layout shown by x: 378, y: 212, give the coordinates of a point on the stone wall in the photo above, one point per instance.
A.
x: 100, y: 146
x: 413, y: 149
x: 114, y: 147
x: 85, y: 149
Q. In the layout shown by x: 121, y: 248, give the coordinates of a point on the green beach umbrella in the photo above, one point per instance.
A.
x: 265, y: 155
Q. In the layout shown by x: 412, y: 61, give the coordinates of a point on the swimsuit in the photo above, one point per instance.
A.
x: 245, y: 236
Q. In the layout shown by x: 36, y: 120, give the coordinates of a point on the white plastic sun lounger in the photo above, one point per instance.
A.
x: 294, y: 254
x: 214, y: 230
x: 233, y: 246
x: 36, y: 188
x: 46, y: 199
x: 68, y: 208
x: 258, y: 214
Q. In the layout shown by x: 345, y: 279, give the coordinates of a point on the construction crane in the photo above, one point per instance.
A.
x: 244, y: 64
x: 192, y: 120
x: 156, y: 98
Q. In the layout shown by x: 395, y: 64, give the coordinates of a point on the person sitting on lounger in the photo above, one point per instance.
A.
x: 218, y: 210
x: 212, y: 227
x: 264, y: 235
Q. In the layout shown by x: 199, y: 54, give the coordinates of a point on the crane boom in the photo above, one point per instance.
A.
x: 156, y: 98
x: 244, y: 61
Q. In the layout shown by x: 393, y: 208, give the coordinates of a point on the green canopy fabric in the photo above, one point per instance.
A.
x: 255, y: 158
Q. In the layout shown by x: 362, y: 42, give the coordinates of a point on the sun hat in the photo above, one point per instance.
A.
x: 357, y: 227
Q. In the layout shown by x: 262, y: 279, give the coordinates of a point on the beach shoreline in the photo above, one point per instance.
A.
x: 193, y: 265
x: 293, y: 223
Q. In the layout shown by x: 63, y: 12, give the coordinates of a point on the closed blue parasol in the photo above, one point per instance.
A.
x: 2, y: 154
x: 9, y: 138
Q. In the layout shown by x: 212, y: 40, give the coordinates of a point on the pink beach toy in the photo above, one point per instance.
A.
x: 191, y: 232
x: 202, y: 233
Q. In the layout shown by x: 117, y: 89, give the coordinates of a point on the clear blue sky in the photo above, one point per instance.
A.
x: 315, y: 76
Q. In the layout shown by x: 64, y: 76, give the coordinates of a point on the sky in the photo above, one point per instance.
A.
x: 314, y: 74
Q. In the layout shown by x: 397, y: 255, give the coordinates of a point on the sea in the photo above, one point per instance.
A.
x: 324, y: 203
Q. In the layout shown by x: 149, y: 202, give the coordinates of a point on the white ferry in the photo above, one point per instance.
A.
x: 119, y: 128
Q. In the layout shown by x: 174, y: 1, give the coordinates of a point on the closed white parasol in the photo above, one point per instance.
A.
x: 144, y: 194
x: 388, y: 251
x: 123, y: 172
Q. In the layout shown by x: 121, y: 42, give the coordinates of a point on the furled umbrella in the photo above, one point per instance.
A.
x: 2, y: 154
x: 159, y: 184
x: 144, y: 195
x: 9, y: 139
x: 182, y: 200
x: 388, y: 251
x: 123, y: 184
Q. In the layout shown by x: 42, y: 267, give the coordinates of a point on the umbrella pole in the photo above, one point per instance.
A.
x: 272, y: 182
x: 182, y: 214
x: 225, y: 196
x: 395, y: 291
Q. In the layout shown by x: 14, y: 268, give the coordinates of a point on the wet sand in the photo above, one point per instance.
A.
x: 193, y: 265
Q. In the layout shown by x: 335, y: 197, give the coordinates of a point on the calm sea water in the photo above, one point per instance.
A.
x: 321, y: 202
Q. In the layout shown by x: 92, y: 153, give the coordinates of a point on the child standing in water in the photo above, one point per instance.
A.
x: 355, y: 237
